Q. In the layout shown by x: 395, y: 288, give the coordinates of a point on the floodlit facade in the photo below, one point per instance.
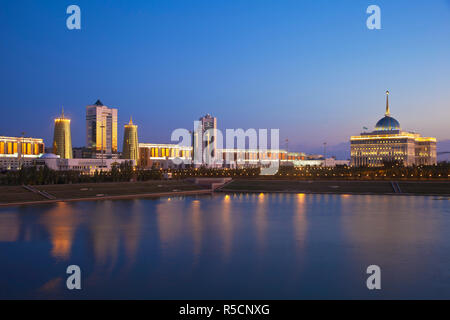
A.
x: 130, y: 142
x: 247, y: 158
x: 328, y: 162
x: 158, y: 155
x: 153, y: 155
x: 16, y: 152
x: 62, y: 139
x: 85, y: 166
x: 101, y: 130
x: 204, y: 137
x: 388, y: 143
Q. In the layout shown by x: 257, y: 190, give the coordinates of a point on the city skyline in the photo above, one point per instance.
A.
x: 283, y: 145
x: 203, y: 154
x: 314, y: 83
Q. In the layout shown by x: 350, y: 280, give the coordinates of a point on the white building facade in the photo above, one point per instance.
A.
x: 16, y: 152
x: 87, y: 166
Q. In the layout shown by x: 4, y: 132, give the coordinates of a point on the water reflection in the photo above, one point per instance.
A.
x: 261, y: 221
x: 229, y: 246
x: 402, y: 239
x: 104, y: 235
x: 61, y: 222
x: 170, y: 224
x: 51, y: 286
x: 227, y: 226
x: 300, y: 223
x: 9, y: 227
x: 197, y: 229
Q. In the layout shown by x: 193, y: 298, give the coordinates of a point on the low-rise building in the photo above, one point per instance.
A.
x: 87, y: 166
x: 158, y: 155
x: 16, y: 152
x: 153, y: 155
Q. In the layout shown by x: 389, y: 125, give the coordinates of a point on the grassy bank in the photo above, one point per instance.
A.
x: 19, y: 194
x: 93, y: 191
x: 362, y: 187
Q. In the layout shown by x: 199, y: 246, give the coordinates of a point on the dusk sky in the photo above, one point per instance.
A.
x: 311, y: 68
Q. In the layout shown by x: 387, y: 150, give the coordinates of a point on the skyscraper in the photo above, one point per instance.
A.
x: 205, y: 131
x: 62, y: 139
x: 101, y: 129
x: 130, y: 142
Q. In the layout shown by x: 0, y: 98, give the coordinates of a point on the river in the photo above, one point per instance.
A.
x: 234, y: 246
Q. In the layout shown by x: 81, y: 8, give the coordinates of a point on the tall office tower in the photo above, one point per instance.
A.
x: 203, y: 138
x: 101, y: 129
x: 62, y: 139
x: 130, y: 142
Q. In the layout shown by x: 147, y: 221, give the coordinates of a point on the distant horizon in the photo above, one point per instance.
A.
x: 336, y: 149
x: 311, y: 69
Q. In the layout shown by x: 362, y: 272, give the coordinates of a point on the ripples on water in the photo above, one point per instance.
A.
x: 254, y: 246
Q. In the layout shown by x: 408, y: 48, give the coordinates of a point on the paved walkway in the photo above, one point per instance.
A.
x: 129, y: 196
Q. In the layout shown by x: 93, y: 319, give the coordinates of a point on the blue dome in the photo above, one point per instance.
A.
x: 387, y: 124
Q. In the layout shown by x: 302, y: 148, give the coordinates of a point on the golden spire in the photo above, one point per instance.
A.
x: 62, y: 113
x: 131, y: 121
x: 388, y: 112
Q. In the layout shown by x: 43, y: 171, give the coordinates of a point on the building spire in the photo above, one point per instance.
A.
x: 388, y: 112
x: 131, y: 121
x: 62, y: 113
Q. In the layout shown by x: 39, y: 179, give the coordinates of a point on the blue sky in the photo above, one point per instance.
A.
x: 310, y: 68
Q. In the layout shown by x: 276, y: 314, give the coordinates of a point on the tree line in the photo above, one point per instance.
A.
x: 125, y: 172
x: 42, y: 175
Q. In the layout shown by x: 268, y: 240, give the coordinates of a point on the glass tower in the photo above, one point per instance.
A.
x: 130, y: 142
x: 101, y: 128
x: 62, y: 139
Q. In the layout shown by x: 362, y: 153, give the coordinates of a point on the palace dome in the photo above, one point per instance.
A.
x: 387, y: 123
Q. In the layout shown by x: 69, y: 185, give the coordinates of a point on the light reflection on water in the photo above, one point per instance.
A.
x: 256, y: 246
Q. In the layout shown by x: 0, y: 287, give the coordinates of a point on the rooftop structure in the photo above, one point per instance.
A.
x: 388, y: 143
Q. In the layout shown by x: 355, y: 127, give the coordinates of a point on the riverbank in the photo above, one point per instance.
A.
x: 29, y: 195
x: 340, y: 187
x: 19, y: 195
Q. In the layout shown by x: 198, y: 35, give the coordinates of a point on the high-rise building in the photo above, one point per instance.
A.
x: 204, y: 137
x: 130, y: 142
x: 101, y: 130
x: 62, y: 139
x: 389, y: 143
